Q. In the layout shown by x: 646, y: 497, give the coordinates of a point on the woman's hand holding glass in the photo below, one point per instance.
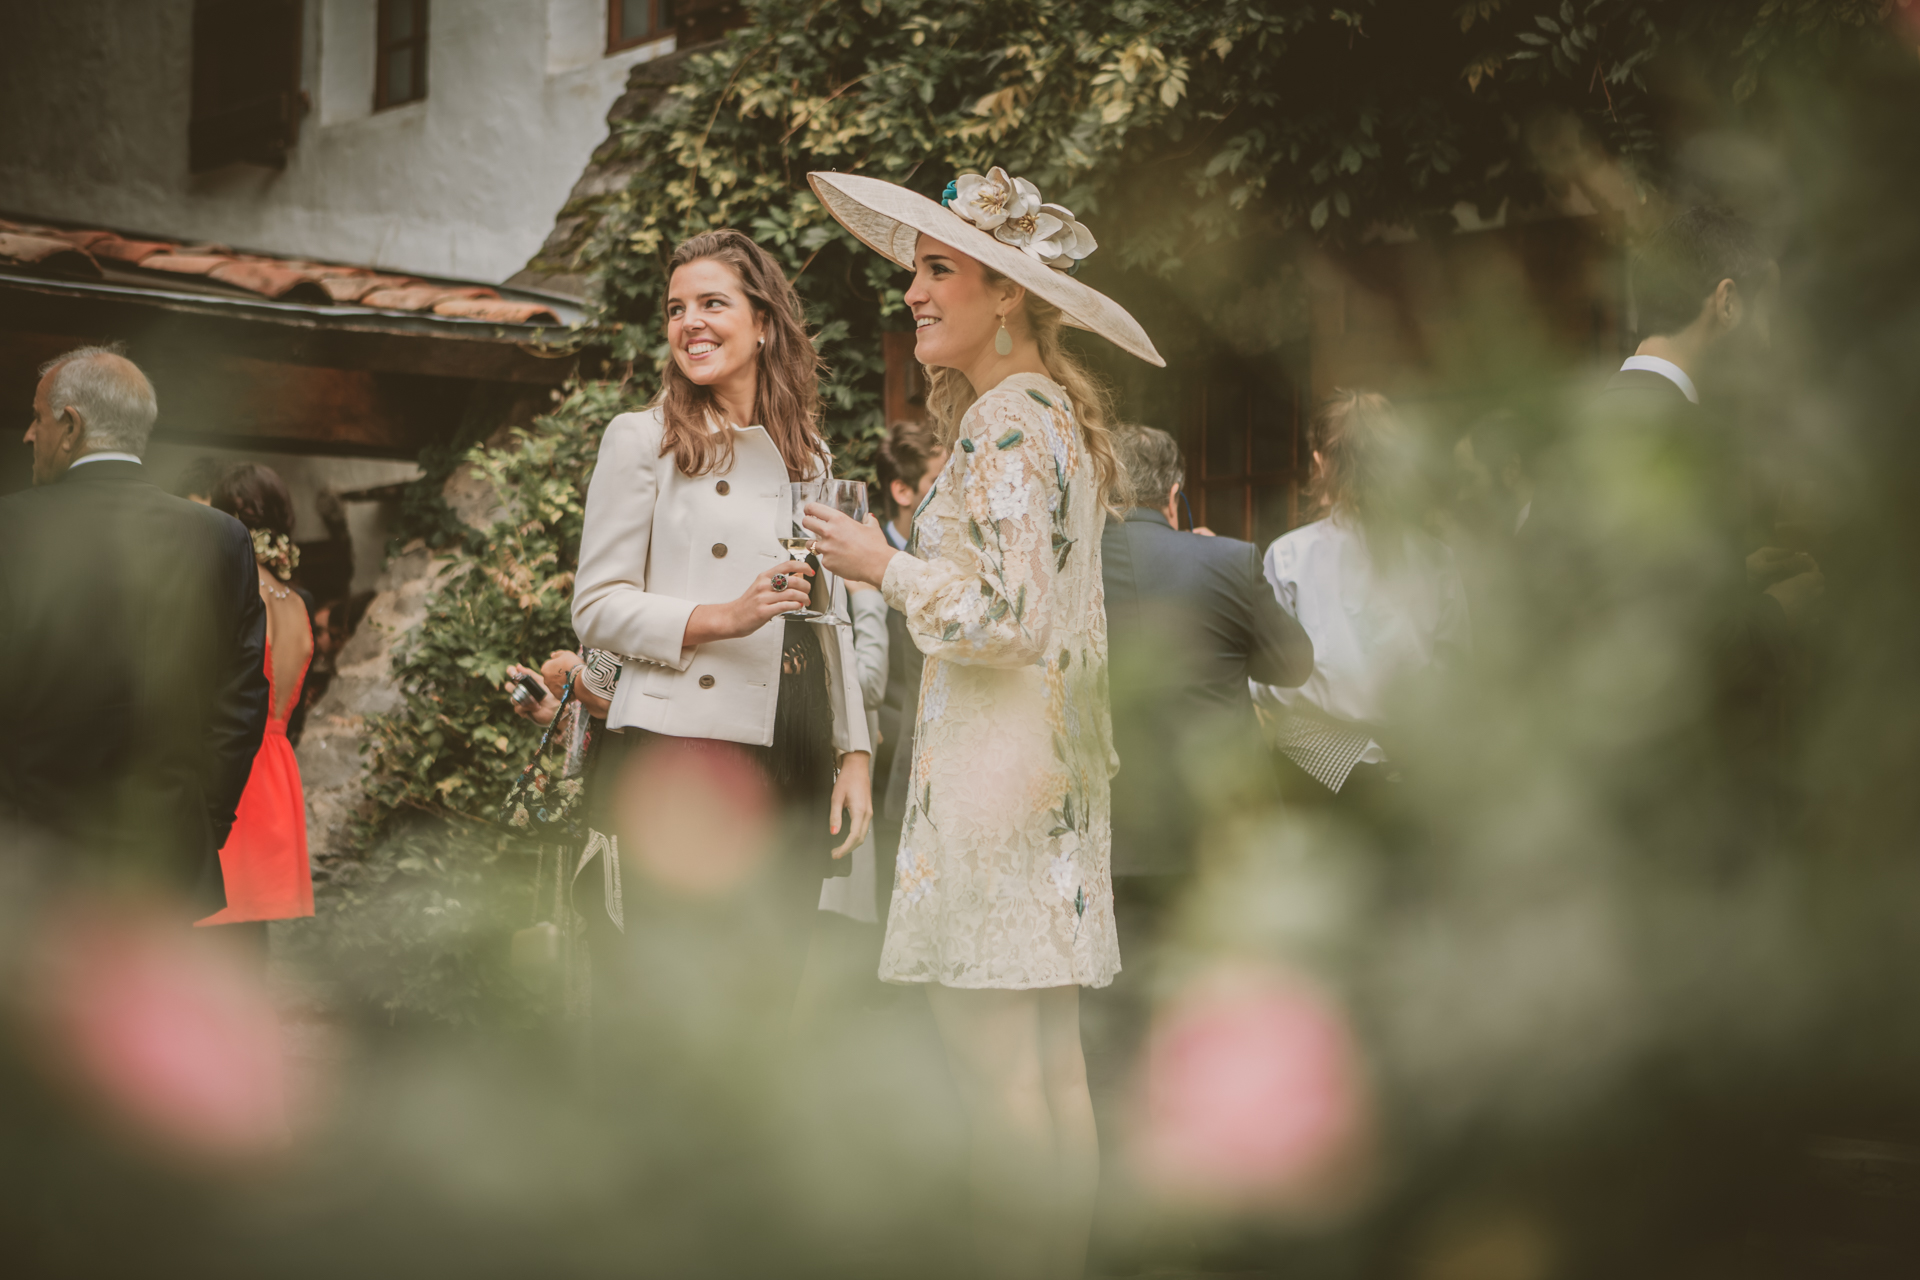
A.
x: 777, y: 591
x: 856, y: 550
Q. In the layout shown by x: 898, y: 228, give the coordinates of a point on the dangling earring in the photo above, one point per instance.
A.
x: 1003, y: 341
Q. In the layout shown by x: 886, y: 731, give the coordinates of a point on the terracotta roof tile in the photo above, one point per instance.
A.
x: 120, y: 249
x: 81, y: 239
x: 421, y: 297
x: 497, y: 310
x: 270, y: 279
x: 81, y: 250
x: 45, y: 251
x: 184, y: 264
x: 353, y: 286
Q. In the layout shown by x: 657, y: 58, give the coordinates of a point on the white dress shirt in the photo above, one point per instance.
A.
x: 1368, y: 630
x: 1667, y: 369
x: 106, y: 455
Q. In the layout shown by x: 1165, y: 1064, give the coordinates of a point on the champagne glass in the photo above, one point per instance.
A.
x: 849, y: 498
x: 797, y: 539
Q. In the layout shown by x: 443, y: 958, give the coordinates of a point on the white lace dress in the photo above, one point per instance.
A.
x: 1003, y: 878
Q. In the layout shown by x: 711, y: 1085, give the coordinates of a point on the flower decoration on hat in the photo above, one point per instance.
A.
x: 1011, y: 210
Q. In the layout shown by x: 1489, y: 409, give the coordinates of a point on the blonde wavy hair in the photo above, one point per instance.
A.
x: 950, y: 395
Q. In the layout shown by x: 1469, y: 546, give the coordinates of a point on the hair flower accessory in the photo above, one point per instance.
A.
x: 1012, y: 210
x: 276, y: 553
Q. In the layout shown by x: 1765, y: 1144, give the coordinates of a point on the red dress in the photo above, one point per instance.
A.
x: 264, y: 861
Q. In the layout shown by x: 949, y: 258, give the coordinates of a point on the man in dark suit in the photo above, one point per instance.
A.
x: 1189, y: 619
x: 1655, y: 522
x: 133, y: 631
x: 910, y: 461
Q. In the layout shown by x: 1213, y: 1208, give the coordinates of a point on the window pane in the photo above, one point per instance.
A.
x: 633, y: 18
x: 1271, y: 511
x: 399, y: 19
x: 1227, y: 511
x: 400, y: 76
x: 1272, y: 428
x: 1226, y: 428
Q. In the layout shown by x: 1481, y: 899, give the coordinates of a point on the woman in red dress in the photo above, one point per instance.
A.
x: 264, y: 861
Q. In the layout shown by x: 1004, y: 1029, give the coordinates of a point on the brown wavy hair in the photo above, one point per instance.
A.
x: 786, y: 391
x: 950, y: 395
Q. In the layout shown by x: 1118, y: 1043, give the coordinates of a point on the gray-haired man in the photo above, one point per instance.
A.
x: 132, y: 623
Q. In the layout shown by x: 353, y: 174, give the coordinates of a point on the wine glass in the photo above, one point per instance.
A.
x: 797, y: 540
x: 849, y: 498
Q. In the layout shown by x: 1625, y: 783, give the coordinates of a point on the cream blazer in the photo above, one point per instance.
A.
x: 657, y: 543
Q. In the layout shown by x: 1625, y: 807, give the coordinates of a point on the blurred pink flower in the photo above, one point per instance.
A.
x: 1251, y: 1096
x: 695, y: 816
x: 1906, y: 13
x: 173, y: 1032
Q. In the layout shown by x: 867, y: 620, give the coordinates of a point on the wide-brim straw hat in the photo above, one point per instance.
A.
x: 888, y: 218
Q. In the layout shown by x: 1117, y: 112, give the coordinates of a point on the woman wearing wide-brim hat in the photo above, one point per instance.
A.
x: 1003, y: 899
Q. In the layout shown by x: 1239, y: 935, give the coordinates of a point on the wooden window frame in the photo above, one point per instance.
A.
x: 260, y: 127
x: 1243, y: 495
x: 658, y: 25
x: 414, y: 46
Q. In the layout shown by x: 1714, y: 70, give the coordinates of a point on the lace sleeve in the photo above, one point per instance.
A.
x: 984, y: 600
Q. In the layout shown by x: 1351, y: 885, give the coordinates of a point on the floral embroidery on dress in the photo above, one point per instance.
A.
x: 1003, y: 877
x: 926, y: 532
x: 913, y: 878
x: 933, y: 702
x: 1061, y: 874
x: 1007, y: 499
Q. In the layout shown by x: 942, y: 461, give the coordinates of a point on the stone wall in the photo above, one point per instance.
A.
x: 331, y: 754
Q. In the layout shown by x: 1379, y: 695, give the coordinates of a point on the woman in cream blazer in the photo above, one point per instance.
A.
x: 657, y: 543
x: 738, y: 739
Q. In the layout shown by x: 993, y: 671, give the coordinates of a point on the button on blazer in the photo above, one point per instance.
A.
x: 658, y: 542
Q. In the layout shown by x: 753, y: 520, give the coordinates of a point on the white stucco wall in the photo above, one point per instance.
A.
x: 95, y: 95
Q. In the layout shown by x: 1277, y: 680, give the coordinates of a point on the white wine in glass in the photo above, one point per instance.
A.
x: 798, y: 543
